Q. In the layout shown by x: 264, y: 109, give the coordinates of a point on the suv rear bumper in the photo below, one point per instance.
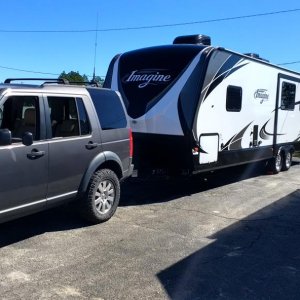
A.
x: 127, y: 173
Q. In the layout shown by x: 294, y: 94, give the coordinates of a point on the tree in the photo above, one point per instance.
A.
x: 99, y: 80
x: 73, y: 76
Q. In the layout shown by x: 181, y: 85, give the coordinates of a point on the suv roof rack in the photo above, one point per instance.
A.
x: 54, y: 80
x: 46, y: 80
x: 92, y: 83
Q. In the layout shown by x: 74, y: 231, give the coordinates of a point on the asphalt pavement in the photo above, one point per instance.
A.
x: 233, y: 234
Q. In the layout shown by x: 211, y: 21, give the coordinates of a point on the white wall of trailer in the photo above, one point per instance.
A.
x: 213, y: 120
x: 253, y: 76
x: 162, y: 118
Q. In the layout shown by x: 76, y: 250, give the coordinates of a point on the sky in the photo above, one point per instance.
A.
x: 275, y: 37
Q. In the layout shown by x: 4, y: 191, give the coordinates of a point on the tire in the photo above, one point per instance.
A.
x: 102, y: 198
x: 275, y: 163
x: 287, y: 161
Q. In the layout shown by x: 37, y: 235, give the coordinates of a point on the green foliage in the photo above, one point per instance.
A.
x: 73, y: 76
x: 99, y: 80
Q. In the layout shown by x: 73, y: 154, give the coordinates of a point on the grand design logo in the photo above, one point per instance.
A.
x: 147, y: 77
x: 262, y: 95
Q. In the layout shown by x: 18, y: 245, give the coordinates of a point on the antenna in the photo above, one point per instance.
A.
x: 96, y: 44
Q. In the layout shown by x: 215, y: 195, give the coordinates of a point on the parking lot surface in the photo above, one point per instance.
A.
x: 234, y: 234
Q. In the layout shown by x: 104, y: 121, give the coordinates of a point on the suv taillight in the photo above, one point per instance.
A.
x: 130, y: 143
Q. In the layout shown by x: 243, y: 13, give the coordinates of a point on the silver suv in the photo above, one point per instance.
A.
x: 60, y: 142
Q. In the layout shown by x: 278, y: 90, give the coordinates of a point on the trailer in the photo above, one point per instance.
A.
x: 195, y: 108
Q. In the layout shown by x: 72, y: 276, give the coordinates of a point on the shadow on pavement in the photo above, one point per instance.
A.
x: 57, y: 219
x: 140, y: 192
x: 255, y: 258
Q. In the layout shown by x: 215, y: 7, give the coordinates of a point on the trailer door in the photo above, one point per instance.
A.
x: 287, y: 121
x: 209, y: 144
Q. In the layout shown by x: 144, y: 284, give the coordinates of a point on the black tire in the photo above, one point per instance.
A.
x: 287, y: 160
x: 275, y: 163
x: 102, y: 197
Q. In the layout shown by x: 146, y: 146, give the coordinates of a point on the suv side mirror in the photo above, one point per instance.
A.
x: 27, y: 138
x: 5, y: 137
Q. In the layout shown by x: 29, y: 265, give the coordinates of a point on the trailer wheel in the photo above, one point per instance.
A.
x: 275, y: 164
x: 287, y: 161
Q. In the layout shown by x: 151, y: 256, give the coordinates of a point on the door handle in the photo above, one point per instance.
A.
x: 90, y: 145
x: 35, y: 153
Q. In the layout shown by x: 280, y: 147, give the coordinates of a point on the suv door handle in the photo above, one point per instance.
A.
x: 91, y: 145
x: 35, y: 153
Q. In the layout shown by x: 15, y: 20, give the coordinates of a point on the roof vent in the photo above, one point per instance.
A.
x: 255, y: 55
x: 196, y: 39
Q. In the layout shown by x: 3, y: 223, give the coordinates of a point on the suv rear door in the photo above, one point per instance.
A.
x: 74, y: 141
x: 23, y: 169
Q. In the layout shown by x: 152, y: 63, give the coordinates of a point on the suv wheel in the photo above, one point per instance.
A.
x: 102, y: 197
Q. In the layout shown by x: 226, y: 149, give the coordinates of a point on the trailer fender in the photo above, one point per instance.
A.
x: 287, y: 149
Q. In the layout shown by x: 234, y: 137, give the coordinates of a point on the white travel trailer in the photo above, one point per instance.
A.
x: 196, y: 107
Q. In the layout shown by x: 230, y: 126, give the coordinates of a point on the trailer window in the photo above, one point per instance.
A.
x: 234, y: 98
x: 288, y: 95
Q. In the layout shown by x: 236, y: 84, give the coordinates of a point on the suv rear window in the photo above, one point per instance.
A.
x: 109, y: 109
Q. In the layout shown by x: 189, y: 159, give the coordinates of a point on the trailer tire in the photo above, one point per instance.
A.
x: 287, y: 160
x: 275, y: 164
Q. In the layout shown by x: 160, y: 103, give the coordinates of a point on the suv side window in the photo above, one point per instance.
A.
x: 20, y: 114
x: 109, y: 109
x: 68, y: 116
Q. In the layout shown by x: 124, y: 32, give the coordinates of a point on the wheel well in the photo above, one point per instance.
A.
x: 112, y: 165
x: 286, y: 149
